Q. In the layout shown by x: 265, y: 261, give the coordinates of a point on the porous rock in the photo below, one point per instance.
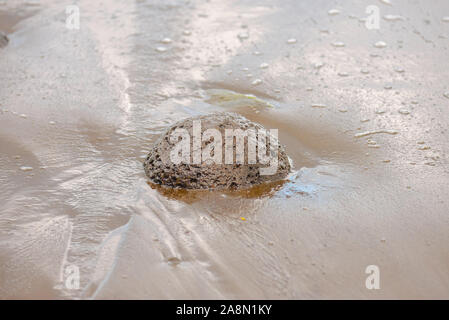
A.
x: 161, y: 170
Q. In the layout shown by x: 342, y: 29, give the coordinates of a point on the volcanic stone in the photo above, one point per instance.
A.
x: 161, y: 170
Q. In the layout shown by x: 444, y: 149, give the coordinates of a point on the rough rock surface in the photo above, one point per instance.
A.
x: 3, y: 40
x: 161, y: 170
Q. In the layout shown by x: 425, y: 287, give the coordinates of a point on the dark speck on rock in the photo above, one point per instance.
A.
x: 3, y: 40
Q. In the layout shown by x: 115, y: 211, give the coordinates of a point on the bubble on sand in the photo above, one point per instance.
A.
x: 291, y: 41
x: 333, y: 12
x: 338, y: 44
x: 445, y: 19
x: 25, y: 168
x: 166, y: 40
x: 161, y: 49
x: 263, y: 65
x: 380, y: 44
x: 256, y: 82
x: 318, y: 65
x: 393, y: 17
x: 446, y: 94
x: 243, y: 36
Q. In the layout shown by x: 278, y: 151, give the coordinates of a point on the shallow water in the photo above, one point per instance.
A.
x: 79, y: 110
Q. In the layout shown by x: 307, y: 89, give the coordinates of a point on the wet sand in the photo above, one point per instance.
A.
x: 364, y: 124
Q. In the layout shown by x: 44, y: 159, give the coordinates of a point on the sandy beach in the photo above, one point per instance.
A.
x: 361, y: 101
